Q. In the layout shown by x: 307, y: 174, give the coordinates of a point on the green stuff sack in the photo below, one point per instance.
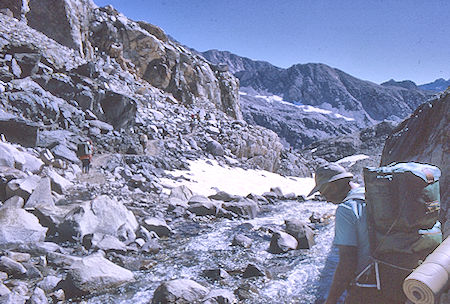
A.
x: 403, y: 207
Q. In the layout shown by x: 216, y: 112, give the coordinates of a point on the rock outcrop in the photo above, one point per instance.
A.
x: 145, y: 50
x: 66, y: 22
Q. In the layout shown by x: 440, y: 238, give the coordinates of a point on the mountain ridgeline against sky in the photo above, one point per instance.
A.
x: 321, y: 85
x: 436, y: 86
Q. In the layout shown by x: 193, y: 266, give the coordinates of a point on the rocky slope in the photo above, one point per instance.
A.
x: 424, y: 137
x: 140, y: 48
x: 296, y: 125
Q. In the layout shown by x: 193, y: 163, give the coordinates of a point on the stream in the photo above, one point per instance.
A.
x: 299, y: 276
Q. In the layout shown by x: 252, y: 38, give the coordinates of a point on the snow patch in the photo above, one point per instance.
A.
x: 351, y: 160
x: 271, y: 98
x: 344, y: 117
x: 304, y: 108
x: 206, y: 177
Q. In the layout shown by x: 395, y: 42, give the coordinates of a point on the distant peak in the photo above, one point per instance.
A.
x: 407, y: 84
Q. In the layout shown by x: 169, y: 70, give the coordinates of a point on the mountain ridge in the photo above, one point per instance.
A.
x: 318, y: 84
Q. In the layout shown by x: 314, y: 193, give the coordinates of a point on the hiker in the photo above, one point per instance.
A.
x: 351, y: 234
x: 85, y: 151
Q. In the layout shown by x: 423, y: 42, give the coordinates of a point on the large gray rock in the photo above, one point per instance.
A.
x: 181, y: 192
x: 282, y: 242
x: 220, y: 296
x: 17, y: 226
x: 105, y: 242
x: 201, y: 205
x: 6, y: 175
x: 65, y: 21
x: 101, y: 215
x: 6, y: 157
x: 244, y: 207
x: 41, y: 195
x: 179, y: 291
x: 63, y: 152
x: 214, y: 148
x: 10, y: 156
x: 19, y: 131
x: 242, y: 240
x: 119, y: 110
x: 22, y: 187
x: 38, y: 297
x: 94, y: 274
x: 261, y: 148
x: 58, y: 183
x: 302, y: 233
x: 157, y: 225
x: 11, y: 267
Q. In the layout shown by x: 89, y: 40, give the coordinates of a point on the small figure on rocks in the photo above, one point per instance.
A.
x: 84, y: 152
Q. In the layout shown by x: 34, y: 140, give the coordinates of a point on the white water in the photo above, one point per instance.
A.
x: 300, y: 276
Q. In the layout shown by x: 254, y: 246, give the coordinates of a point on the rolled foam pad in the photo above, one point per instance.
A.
x: 441, y: 258
x: 425, y: 283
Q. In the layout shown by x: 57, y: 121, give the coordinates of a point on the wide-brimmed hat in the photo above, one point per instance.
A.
x: 329, y: 173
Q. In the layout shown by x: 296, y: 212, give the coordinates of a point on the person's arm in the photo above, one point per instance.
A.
x: 344, y: 273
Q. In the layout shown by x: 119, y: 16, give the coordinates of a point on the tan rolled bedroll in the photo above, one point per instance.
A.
x: 427, y: 281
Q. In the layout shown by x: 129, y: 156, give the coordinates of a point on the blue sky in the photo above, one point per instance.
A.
x: 374, y: 40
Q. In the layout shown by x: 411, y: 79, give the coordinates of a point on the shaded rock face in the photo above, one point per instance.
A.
x: 18, y: 8
x: 64, y: 21
x: 19, y: 131
x: 424, y: 137
x: 119, y: 110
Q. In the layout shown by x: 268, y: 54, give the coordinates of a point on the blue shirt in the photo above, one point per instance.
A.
x: 351, y: 226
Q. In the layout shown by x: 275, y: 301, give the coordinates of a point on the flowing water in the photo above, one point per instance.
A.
x: 299, y: 276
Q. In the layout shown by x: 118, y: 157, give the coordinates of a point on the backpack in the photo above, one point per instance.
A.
x: 84, y: 148
x: 403, y: 203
